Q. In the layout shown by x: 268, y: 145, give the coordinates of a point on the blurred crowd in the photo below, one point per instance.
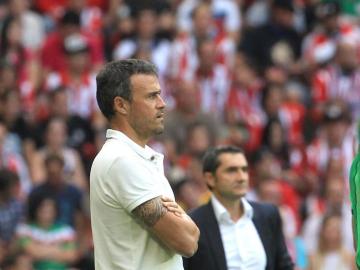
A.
x: 279, y: 78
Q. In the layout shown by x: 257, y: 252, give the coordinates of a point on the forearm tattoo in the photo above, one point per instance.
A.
x: 150, y: 212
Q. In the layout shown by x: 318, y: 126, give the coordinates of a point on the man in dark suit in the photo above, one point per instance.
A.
x: 235, y: 233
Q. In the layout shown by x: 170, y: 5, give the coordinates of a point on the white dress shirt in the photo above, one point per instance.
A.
x: 242, y: 244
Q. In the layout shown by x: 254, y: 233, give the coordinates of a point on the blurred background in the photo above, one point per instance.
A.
x: 279, y: 78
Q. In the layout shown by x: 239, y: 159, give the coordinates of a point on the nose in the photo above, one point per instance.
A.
x: 161, y: 103
x: 242, y: 174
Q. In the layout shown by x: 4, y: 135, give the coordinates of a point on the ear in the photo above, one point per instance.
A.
x: 210, y: 179
x: 121, y: 105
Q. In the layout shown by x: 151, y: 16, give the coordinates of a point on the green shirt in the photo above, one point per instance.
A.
x: 355, y: 202
x: 61, y: 235
x: 348, y: 7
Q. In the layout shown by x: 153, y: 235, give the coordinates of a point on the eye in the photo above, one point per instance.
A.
x: 154, y: 95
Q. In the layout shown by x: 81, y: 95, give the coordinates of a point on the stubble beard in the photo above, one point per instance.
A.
x: 146, y: 132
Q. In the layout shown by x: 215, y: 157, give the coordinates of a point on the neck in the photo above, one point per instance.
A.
x: 332, y: 247
x: 234, y: 207
x: 131, y: 133
x: 205, y: 70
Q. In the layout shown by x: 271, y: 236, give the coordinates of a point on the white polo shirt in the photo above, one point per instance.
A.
x: 242, y: 244
x: 123, y: 176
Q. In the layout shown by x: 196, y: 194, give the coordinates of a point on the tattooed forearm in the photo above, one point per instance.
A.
x: 150, y: 212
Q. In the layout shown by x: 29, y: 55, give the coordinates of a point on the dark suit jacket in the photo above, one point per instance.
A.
x: 210, y: 254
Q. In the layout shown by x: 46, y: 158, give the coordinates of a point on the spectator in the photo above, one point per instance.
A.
x: 339, y: 80
x: 226, y: 13
x: 81, y: 135
x: 184, y: 60
x: 52, y: 52
x: 270, y: 191
x: 244, y: 101
x: 32, y: 24
x: 319, y: 46
x: 336, y: 140
x: 11, y: 210
x: 49, y: 244
x: 55, y: 143
x: 334, y: 200
x: 12, y: 159
x: 213, y: 80
x: 275, y: 43
x: 145, y: 40
x: 76, y: 78
x: 330, y: 254
x: 70, y: 200
x: 24, y: 62
x: 274, y: 139
x: 185, y: 113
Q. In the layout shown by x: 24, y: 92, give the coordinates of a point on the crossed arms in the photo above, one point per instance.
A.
x: 170, y: 224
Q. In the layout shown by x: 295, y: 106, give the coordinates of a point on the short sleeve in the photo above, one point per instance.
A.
x: 132, y: 183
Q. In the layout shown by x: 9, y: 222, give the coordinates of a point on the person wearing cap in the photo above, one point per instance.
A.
x: 136, y: 223
x: 52, y: 52
x: 76, y: 78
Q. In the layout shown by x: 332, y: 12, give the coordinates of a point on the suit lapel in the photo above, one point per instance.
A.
x: 213, y: 235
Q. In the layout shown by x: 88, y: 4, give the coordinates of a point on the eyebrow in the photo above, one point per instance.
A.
x: 246, y: 167
x: 153, y: 92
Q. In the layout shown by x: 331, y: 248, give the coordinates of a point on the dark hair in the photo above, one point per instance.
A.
x: 4, y: 34
x: 211, y: 158
x: 54, y: 93
x: 70, y: 17
x: 35, y: 201
x: 11, y: 259
x: 114, y: 80
x: 7, y: 180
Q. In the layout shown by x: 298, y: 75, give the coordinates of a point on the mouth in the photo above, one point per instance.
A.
x: 160, y: 116
x: 241, y: 185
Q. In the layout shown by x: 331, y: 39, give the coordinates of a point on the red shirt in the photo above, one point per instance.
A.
x: 54, y: 58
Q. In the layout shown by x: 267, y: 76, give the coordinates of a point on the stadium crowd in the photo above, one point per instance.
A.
x: 278, y: 78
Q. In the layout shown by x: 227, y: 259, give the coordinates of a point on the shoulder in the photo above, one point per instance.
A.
x: 44, y: 187
x: 201, y: 214
x: 111, y: 152
x: 264, y: 209
x: 72, y: 189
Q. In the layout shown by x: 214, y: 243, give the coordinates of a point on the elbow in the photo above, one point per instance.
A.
x: 189, y: 252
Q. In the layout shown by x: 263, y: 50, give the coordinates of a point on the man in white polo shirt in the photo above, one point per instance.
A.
x: 134, y: 226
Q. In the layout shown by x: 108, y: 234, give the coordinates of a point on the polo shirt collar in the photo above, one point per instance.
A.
x: 145, y: 152
x: 222, y: 214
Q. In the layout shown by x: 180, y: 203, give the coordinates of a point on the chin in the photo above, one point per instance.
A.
x: 159, y: 131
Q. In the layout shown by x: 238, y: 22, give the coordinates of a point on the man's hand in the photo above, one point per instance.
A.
x: 172, y: 206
